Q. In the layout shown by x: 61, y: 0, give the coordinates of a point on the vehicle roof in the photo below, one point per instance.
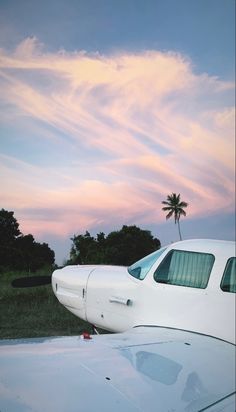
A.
x: 206, y: 245
x: 144, y: 369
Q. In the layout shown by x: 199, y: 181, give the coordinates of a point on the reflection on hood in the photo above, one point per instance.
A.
x: 157, y: 367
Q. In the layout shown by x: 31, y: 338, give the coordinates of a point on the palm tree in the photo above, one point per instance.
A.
x: 174, y: 207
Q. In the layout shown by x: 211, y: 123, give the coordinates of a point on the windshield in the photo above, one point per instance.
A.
x: 140, y: 268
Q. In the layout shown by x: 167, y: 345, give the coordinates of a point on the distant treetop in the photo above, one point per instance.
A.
x: 122, y: 247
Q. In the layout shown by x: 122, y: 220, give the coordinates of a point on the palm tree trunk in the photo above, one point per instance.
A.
x: 180, y: 237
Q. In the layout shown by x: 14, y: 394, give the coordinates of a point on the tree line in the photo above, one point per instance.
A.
x: 127, y: 245
x: 18, y: 251
x: 121, y: 247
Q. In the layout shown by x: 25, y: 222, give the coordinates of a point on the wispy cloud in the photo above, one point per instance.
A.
x: 138, y: 127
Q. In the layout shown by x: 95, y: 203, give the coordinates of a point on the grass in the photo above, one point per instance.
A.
x: 34, y: 312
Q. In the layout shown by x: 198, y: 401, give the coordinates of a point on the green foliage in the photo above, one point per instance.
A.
x: 33, y: 255
x: 121, y: 247
x: 18, y: 251
x: 9, y: 226
x: 34, y: 312
x: 9, y: 231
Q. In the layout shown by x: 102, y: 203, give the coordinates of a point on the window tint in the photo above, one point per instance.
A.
x: 140, y: 268
x: 185, y: 269
x: 228, y: 283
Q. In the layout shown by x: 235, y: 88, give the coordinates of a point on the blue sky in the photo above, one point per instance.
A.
x: 107, y: 107
x: 202, y: 29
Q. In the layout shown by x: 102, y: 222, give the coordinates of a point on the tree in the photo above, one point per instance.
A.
x: 83, y: 249
x: 175, y: 208
x: 9, y: 226
x: 121, y: 247
x: 20, y: 251
x: 33, y: 255
x: 129, y: 244
x: 9, y: 232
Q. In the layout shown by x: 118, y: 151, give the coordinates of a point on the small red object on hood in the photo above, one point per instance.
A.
x: 86, y: 335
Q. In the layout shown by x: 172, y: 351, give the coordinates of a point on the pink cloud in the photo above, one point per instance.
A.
x: 148, y: 113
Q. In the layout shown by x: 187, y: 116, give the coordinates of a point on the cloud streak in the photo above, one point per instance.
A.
x: 130, y: 128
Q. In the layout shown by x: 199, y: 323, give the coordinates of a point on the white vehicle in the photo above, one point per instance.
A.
x: 187, y: 285
x: 146, y: 369
x: 176, y: 311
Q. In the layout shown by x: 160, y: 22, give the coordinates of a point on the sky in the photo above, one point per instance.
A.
x: 108, y: 106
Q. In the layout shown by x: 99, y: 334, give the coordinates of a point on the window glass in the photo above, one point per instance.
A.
x: 183, y: 268
x: 140, y: 268
x: 228, y: 283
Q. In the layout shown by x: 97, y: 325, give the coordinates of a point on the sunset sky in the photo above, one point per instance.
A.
x: 107, y: 107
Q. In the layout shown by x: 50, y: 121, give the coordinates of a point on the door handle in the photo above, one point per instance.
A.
x: 122, y: 301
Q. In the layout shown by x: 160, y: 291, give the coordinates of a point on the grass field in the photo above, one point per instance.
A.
x: 34, y: 312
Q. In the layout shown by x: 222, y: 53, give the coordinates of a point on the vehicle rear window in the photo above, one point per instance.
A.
x: 228, y: 283
x: 183, y: 268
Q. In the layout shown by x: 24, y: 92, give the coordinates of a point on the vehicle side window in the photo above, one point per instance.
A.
x: 184, y: 268
x: 228, y: 283
x: 140, y: 268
